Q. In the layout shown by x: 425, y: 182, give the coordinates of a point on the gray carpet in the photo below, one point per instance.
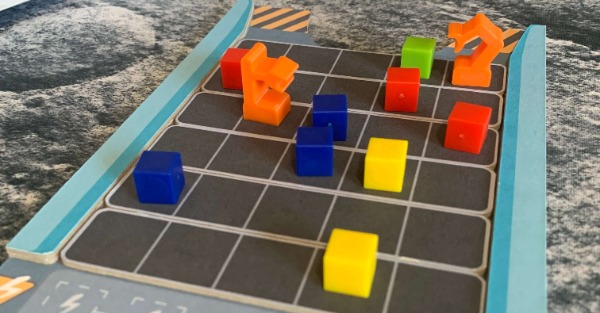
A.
x: 73, y: 70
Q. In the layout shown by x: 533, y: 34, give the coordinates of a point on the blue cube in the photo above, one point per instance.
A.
x: 314, y: 151
x: 158, y: 177
x: 331, y: 110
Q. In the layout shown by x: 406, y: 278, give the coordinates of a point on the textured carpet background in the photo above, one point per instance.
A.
x: 73, y: 70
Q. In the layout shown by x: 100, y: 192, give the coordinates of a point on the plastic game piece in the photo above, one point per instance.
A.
x: 418, y: 53
x: 402, y: 89
x: 231, y: 68
x: 467, y: 127
x: 314, y: 151
x: 385, y: 164
x: 475, y: 69
x: 158, y: 177
x: 350, y: 262
x: 331, y: 110
x: 264, y: 82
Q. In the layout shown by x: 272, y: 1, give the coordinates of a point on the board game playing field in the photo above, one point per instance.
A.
x: 247, y: 229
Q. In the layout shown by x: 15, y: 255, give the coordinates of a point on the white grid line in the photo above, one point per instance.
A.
x: 264, y: 191
x: 348, y: 194
x: 389, y: 114
x: 230, y: 296
x: 345, y: 148
x: 258, y: 234
x: 408, y: 209
x: 334, y: 200
x: 183, y: 200
x: 333, y: 192
x: 162, y: 233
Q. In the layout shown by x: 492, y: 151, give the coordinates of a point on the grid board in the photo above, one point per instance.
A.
x: 248, y: 229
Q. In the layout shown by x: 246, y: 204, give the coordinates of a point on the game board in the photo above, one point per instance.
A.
x: 248, y: 230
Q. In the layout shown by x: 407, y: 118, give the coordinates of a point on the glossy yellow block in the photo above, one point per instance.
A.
x: 385, y: 164
x: 349, y: 262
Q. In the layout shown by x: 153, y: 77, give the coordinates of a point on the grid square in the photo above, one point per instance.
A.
x: 287, y: 128
x: 355, y: 177
x: 177, y: 139
x: 445, y: 291
x: 102, y: 244
x: 189, y: 254
x: 274, y: 50
x: 362, y: 64
x: 213, y: 111
x: 444, y: 238
x: 313, y: 59
x: 497, y: 83
x: 291, y: 212
x: 356, y: 121
x: 427, y: 96
x: 234, y: 156
x: 221, y: 200
x: 215, y: 83
x: 437, y: 71
x: 436, y: 149
x: 313, y: 294
x: 304, y: 87
x: 378, y: 218
x: 125, y: 195
x: 266, y: 269
x: 361, y: 93
x: 396, y: 128
x: 445, y: 184
x: 449, y: 97
x: 287, y: 170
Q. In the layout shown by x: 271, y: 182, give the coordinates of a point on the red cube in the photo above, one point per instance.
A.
x: 231, y: 68
x: 402, y: 89
x: 467, y: 127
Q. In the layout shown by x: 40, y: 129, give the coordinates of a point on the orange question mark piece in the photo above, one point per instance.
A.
x: 475, y: 69
x: 264, y: 82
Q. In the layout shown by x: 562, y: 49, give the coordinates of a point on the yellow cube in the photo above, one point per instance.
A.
x: 349, y: 262
x: 385, y: 164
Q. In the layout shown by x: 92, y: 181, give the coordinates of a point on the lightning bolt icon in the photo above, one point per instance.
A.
x: 10, y: 288
x: 71, y: 303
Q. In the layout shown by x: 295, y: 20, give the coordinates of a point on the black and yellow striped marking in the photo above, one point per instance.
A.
x: 510, y: 36
x: 289, y: 20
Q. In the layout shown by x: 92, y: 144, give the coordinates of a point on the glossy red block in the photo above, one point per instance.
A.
x: 467, y: 127
x: 402, y: 89
x: 231, y: 68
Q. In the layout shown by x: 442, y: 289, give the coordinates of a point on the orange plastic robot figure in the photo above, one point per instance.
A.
x: 475, y: 69
x: 264, y: 82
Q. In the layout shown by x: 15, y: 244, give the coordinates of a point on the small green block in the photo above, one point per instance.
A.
x: 418, y: 52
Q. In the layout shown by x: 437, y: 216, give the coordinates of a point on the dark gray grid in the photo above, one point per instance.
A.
x: 413, y: 130
x: 357, y: 73
x: 256, y: 224
x: 361, y: 93
x: 270, y: 268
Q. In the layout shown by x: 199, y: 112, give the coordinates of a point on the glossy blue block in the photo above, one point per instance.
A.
x: 158, y: 177
x: 331, y: 110
x: 314, y: 151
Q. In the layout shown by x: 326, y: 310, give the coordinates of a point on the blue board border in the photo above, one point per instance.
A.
x: 47, y: 232
x: 517, y: 276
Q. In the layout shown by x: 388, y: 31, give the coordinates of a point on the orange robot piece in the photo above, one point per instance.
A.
x: 264, y: 82
x: 475, y: 69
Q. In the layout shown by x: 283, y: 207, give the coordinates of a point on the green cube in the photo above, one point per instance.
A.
x: 418, y: 53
